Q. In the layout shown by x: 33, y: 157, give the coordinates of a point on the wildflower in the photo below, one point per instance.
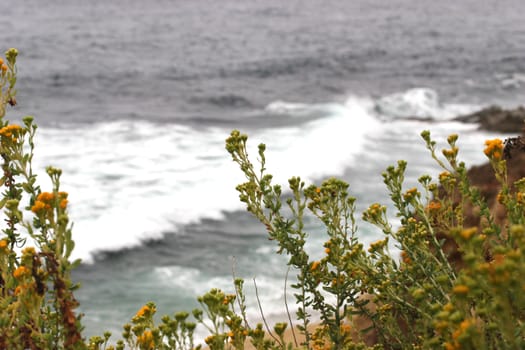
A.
x: 3, y: 244
x: 4, y: 68
x: 450, y: 153
x: 498, y: 259
x: 434, y: 206
x: 29, y: 251
x: 378, y: 245
x: 327, y: 245
x: 411, y: 193
x: 314, y: 266
x: 209, y: 339
x: 345, y: 329
x: 38, y: 206
x: 520, y: 197
x: 444, y: 176
x: 63, y: 203
x: 460, y: 289
x: 500, y: 198
x: 466, y: 234
x: 452, y: 138
x: 144, y: 311
x: 463, y: 327
x: 494, y: 149
x: 405, y: 257
x: 317, y: 190
x: 450, y: 346
x: 19, y: 290
x: 145, y: 340
x: 45, y: 197
x: 21, y: 272
x: 11, y: 131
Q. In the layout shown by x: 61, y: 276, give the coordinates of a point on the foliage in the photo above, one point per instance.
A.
x: 36, y: 292
x: 366, y: 297
x: 424, y: 300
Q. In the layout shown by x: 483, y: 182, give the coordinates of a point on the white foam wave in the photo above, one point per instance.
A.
x: 132, y: 181
x: 418, y: 103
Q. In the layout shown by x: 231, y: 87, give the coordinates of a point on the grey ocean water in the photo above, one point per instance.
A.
x: 135, y: 99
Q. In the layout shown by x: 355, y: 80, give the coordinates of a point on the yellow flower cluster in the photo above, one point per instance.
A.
x: 434, y: 206
x: 405, y: 257
x: 494, y: 149
x: 46, y: 201
x: 411, y: 193
x: 21, y: 272
x: 145, y: 340
x: 461, y: 289
x: 467, y: 233
x: 11, y: 132
x: 464, y: 327
x: 143, y: 311
x: 228, y: 299
x: 3, y: 66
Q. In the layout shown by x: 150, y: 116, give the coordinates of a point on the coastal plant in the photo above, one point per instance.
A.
x: 37, y: 306
x: 422, y: 299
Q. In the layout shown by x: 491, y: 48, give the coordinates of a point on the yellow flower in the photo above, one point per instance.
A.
x: 29, y: 251
x: 434, y: 205
x: 460, y: 289
x: 450, y: 346
x: 411, y: 193
x: 468, y: 233
x: 38, y: 206
x: 45, y: 197
x: 144, y: 311
x: 493, y: 149
x: 145, y: 340
x: 463, y: 327
x: 63, y: 203
x: 21, y: 272
x: 444, y: 176
x: 3, y: 244
x: 405, y: 257
x: 315, y: 265
x: 18, y: 290
x: 11, y: 131
x: 345, y: 328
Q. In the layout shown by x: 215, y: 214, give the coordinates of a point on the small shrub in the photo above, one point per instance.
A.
x: 421, y: 300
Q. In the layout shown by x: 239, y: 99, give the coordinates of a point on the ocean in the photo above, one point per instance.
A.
x: 134, y: 101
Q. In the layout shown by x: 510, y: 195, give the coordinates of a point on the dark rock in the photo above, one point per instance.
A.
x: 495, y: 118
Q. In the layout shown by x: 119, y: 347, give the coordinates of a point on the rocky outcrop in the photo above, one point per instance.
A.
x: 495, y: 118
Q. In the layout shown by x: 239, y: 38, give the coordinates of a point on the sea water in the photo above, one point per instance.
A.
x: 134, y: 101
